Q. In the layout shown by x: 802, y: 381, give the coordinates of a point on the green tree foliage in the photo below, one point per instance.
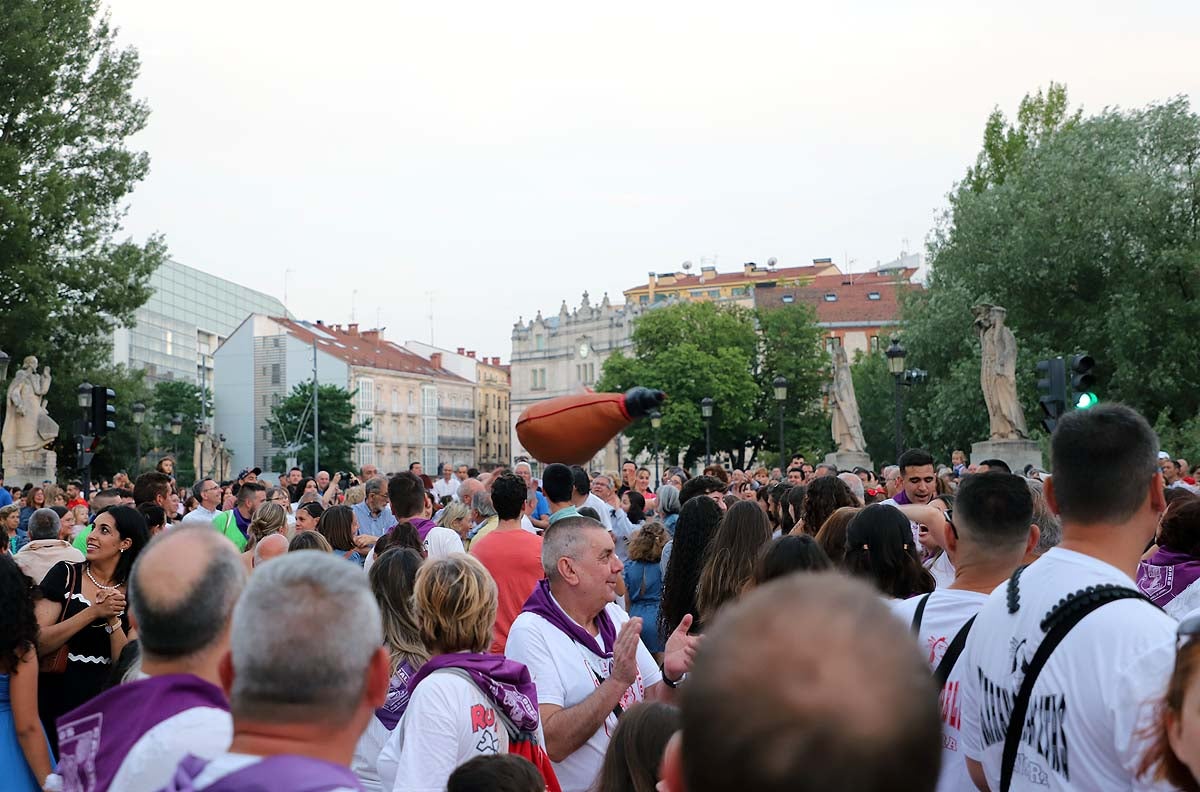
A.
x: 291, y: 423
x: 790, y: 343
x: 698, y: 350
x: 118, y: 449
x: 1091, y: 240
x: 66, y: 113
x: 875, y: 389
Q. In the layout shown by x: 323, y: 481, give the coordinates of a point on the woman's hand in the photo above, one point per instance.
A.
x: 108, y: 604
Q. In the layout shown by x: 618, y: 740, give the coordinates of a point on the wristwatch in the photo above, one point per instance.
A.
x: 673, y: 684
x: 110, y: 629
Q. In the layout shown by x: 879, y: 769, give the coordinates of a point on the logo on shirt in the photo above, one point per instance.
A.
x: 482, y: 718
x: 1044, y: 730
x: 78, y: 743
x: 1154, y: 581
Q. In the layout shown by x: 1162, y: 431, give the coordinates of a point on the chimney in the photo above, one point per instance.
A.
x: 471, y: 354
x: 374, y: 336
x: 748, y: 268
x: 352, y: 328
x: 462, y: 350
x: 495, y: 361
x: 436, y: 360
x: 320, y: 323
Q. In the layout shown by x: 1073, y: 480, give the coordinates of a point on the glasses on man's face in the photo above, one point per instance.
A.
x: 1188, y: 629
x: 279, y: 499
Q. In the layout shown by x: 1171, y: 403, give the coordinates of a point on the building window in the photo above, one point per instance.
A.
x: 832, y: 343
x: 644, y: 299
x: 737, y: 291
x: 873, y: 344
x: 274, y: 373
x: 539, y: 341
x: 366, y: 395
x: 714, y: 293
x: 395, y: 400
x: 429, y: 400
x: 787, y: 298
x: 429, y: 430
x: 830, y: 297
x: 872, y: 295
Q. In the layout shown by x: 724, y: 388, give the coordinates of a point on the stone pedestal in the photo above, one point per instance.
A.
x: 848, y: 460
x: 29, y: 467
x: 1017, y: 453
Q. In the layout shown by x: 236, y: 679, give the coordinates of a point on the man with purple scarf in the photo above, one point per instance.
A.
x: 406, y: 495
x: 181, y: 592
x: 584, y: 652
x: 306, y: 672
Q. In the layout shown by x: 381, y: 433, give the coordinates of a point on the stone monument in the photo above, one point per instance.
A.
x: 1008, y: 437
x: 846, y: 424
x: 28, y: 429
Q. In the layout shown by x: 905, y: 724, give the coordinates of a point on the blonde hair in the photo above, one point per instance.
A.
x: 456, y: 604
x: 269, y: 518
x: 355, y: 495
x: 454, y: 510
x: 647, y: 542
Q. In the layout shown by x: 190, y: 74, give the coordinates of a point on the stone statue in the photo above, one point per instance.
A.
x: 27, y: 426
x: 998, y: 374
x: 847, y: 426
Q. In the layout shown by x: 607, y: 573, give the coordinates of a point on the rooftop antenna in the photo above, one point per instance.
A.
x: 771, y: 262
x: 286, y: 272
x: 430, y: 296
x: 353, y: 301
x: 687, y: 266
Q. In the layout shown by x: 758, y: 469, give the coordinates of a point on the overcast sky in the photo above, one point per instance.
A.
x: 505, y: 156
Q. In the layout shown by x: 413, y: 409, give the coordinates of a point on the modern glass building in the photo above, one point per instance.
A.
x: 189, y: 314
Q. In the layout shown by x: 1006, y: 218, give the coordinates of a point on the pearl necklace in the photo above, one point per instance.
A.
x: 88, y: 570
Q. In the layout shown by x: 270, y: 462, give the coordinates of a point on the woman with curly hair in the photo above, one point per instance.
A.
x: 643, y: 580
x: 732, y: 557
x: 24, y: 752
x: 698, y: 522
x: 832, y: 536
x: 825, y: 495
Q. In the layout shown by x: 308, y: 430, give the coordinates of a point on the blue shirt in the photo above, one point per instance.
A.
x: 373, y: 526
x: 563, y: 514
x: 5, y: 497
x: 543, y: 506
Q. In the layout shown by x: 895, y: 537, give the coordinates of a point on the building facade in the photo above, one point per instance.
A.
x: 710, y: 285
x: 189, y: 314
x: 416, y: 407
x: 565, y: 354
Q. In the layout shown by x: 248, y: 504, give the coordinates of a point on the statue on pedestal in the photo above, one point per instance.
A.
x: 846, y: 425
x: 27, y: 426
x: 998, y: 374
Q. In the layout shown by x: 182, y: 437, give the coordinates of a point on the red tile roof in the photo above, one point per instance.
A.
x: 688, y: 280
x: 366, y: 348
x: 853, y: 303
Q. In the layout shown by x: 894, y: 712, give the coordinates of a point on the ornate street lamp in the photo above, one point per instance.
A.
x: 176, y: 428
x: 895, y: 359
x: 706, y: 411
x: 139, y: 415
x: 655, y: 424
x: 781, y: 385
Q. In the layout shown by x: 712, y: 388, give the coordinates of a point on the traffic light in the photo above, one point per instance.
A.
x: 1052, y: 387
x: 104, y: 412
x: 1082, y: 382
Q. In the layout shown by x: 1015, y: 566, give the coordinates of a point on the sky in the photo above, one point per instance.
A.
x: 374, y: 159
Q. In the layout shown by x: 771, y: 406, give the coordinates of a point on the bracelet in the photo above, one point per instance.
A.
x: 667, y: 681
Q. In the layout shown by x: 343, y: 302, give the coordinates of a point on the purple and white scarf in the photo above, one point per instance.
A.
x: 1166, y: 574
x: 543, y: 604
x: 283, y: 771
x: 505, y: 682
x: 397, y: 697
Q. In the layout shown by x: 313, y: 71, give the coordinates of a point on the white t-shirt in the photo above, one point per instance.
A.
x: 946, y: 611
x: 366, y: 753
x: 200, y: 516
x: 601, y: 508
x: 441, y: 542
x: 527, y: 524
x: 448, y: 722
x: 442, y: 488
x: 228, y: 763
x: 1094, y: 694
x: 565, y: 675
x: 204, y: 732
x: 942, y: 570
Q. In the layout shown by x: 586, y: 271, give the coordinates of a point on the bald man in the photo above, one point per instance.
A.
x: 863, y: 715
x: 270, y: 547
x: 181, y: 595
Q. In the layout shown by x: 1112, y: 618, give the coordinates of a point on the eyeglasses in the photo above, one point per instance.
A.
x: 1188, y: 629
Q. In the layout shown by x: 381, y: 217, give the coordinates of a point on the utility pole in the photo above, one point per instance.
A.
x: 316, y: 415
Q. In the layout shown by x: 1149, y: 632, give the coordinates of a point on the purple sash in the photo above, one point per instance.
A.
x: 506, y: 682
x: 284, y: 771
x: 902, y: 498
x: 423, y: 526
x: 541, y: 603
x: 397, y: 697
x: 95, y: 738
x: 1166, y: 574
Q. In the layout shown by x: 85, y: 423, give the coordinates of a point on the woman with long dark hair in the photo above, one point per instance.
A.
x: 732, y: 557
x: 881, y: 550
x: 24, y: 752
x: 84, y: 610
x: 339, y: 527
x: 636, y: 749
x: 635, y: 507
x: 823, y: 497
x: 698, y: 520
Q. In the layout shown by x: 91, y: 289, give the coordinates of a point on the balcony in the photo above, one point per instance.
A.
x: 455, y: 442
x: 456, y: 413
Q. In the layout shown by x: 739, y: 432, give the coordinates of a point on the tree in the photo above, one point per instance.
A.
x: 66, y: 112
x: 1091, y: 240
x: 875, y: 389
x: 291, y: 423
x: 117, y: 451
x: 790, y: 346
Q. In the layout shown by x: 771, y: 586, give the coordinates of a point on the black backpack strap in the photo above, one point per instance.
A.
x: 920, y: 614
x: 1069, y: 612
x: 946, y: 665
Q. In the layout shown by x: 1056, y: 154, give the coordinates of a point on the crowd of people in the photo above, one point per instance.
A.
x: 931, y: 627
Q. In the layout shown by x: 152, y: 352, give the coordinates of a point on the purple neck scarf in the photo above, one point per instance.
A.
x: 541, y: 603
x: 95, y: 738
x: 902, y: 498
x: 1166, y: 574
x: 397, y: 697
x: 283, y: 771
x: 505, y: 682
x: 423, y: 526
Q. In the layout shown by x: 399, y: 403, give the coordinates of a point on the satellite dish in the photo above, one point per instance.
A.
x: 771, y: 262
x: 687, y: 266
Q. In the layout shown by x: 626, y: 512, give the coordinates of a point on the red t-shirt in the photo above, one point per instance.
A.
x: 514, y: 559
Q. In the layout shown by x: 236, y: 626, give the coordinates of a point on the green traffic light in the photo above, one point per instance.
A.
x: 1086, y: 401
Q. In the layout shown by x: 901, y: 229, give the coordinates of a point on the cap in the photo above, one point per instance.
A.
x: 247, y: 471
x: 1163, y: 455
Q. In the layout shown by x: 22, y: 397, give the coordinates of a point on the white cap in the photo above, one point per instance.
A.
x: 1163, y: 455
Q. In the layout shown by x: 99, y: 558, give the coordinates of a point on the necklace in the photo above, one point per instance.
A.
x: 99, y: 585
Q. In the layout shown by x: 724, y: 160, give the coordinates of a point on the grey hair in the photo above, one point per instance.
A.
x: 192, y: 620
x: 889, y: 471
x: 668, y: 499
x: 565, y: 539
x: 482, y: 503
x: 1049, y: 526
x: 523, y: 465
x: 198, y: 488
x: 855, y: 484
x: 44, y: 524
x: 375, y: 486
x: 302, y: 640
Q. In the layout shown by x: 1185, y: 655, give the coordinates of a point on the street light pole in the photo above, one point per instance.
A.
x: 895, y: 358
x: 781, y: 385
x: 176, y: 428
x: 655, y: 423
x: 706, y: 410
x: 139, y: 415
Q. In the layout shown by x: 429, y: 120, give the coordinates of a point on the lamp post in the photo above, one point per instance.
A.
x: 895, y: 359
x: 139, y: 415
x: 201, y: 431
x: 655, y: 423
x: 781, y: 384
x: 83, y: 397
x: 176, y: 428
x: 706, y: 405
